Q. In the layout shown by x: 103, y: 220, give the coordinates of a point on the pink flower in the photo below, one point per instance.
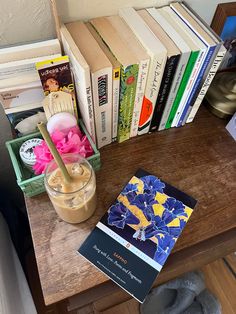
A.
x: 72, y: 141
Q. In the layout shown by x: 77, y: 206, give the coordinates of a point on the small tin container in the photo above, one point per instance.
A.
x: 27, y: 152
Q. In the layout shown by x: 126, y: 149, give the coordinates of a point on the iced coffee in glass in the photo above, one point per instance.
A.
x: 76, y: 201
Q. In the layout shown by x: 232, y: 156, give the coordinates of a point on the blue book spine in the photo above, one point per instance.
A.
x: 197, y: 83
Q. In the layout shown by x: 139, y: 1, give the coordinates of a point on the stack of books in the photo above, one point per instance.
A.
x: 21, y: 92
x: 142, y: 70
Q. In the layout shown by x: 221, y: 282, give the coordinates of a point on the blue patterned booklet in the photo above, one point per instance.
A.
x: 132, y: 241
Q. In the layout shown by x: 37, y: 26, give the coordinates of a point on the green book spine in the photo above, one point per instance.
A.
x: 183, y: 84
x: 128, y: 83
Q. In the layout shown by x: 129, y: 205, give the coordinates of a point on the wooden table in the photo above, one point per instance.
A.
x: 199, y: 158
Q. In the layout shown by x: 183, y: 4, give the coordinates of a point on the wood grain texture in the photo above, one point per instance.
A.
x: 231, y: 262
x: 198, y: 159
x: 222, y: 283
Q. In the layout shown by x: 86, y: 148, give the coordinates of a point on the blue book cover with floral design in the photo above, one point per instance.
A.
x: 132, y: 241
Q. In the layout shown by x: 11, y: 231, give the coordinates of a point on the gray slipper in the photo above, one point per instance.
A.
x: 174, y: 296
x: 205, y: 303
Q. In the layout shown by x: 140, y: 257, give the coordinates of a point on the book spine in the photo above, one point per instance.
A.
x: 167, y: 79
x: 192, y: 60
x: 128, y: 83
x: 102, y: 97
x: 83, y: 90
x: 140, y: 89
x: 196, y: 86
x: 157, y: 65
x: 214, y: 68
x: 115, y: 102
x: 183, y: 61
x: 189, y: 86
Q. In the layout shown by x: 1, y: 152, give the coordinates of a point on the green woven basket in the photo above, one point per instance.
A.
x: 29, y: 183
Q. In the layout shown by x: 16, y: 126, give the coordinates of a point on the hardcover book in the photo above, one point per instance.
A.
x: 132, y: 241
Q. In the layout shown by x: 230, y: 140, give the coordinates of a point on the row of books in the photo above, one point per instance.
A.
x: 142, y: 70
x: 21, y: 91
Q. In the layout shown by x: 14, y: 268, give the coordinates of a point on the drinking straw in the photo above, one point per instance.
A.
x: 54, y: 152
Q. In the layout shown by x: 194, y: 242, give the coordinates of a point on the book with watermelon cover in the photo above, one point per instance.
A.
x: 132, y: 241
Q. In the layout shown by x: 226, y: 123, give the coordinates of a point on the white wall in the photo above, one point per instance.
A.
x: 30, y: 20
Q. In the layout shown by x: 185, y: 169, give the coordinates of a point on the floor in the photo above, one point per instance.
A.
x: 220, y: 278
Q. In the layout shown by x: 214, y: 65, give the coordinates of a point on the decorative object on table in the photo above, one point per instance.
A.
x: 58, y: 102
x: 231, y: 126
x: 221, y: 95
x: 66, y: 141
x: 132, y: 241
x: 27, y: 152
x: 55, y: 76
x: 224, y: 24
x: 61, y: 121
x: 33, y: 184
x: 183, y: 295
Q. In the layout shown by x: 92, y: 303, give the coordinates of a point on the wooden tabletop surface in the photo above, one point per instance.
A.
x: 199, y: 159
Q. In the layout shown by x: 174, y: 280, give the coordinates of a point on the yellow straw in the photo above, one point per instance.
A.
x: 54, y: 152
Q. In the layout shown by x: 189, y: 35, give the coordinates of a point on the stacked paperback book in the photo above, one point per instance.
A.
x: 21, y: 92
x: 142, y: 70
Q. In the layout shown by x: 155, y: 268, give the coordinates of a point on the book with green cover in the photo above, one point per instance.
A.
x: 192, y: 59
x: 128, y: 83
x: 128, y: 76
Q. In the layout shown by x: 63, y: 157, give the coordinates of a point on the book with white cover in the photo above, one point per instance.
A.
x: 28, y: 51
x: 185, y: 54
x: 214, y: 68
x: 133, y: 44
x: 22, y: 67
x: 101, y: 76
x: 21, y: 95
x: 185, y: 31
x: 115, y: 76
x: 158, y: 57
x: 82, y: 80
x: 212, y: 49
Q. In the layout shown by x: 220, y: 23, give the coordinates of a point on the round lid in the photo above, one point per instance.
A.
x: 27, y: 150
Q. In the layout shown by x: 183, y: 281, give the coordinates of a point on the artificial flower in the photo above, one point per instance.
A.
x: 72, y: 141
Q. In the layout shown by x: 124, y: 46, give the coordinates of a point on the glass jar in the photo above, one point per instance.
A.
x: 76, y: 201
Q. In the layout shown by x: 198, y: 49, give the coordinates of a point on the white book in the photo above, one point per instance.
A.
x: 101, y: 77
x: 115, y: 76
x: 184, y: 57
x: 28, y: 51
x: 212, y: 48
x: 158, y: 57
x: 23, y: 108
x: 83, y: 86
x: 134, y: 45
x: 214, y: 68
x: 22, y: 67
x: 181, y: 26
